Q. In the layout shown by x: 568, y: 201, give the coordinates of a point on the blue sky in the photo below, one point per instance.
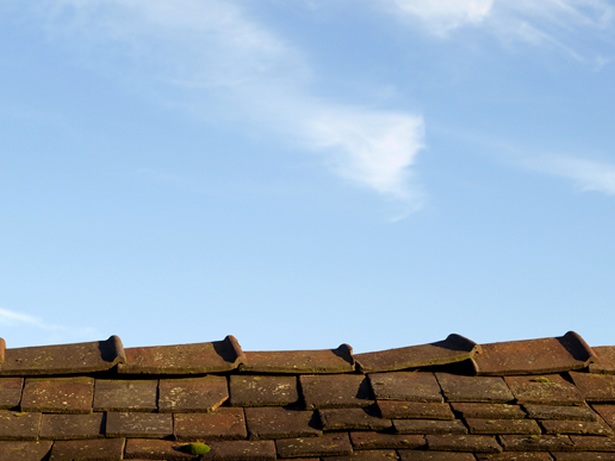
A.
x: 305, y: 173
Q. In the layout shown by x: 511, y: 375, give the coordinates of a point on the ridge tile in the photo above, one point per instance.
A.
x: 547, y: 389
x: 454, y: 348
x: 276, y: 422
x: 414, y: 386
x: 212, y: 357
x: 263, y: 390
x: 534, y: 356
x: 488, y: 389
x: 64, y: 359
x: 58, y: 395
x: 336, y: 391
x: 192, y: 394
x: 338, y: 360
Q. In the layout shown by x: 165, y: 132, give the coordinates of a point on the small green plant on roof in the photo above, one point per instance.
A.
x: 193, y: 448
x: 542, y: 379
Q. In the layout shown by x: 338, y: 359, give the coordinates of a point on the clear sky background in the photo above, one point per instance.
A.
x: 306, y: 173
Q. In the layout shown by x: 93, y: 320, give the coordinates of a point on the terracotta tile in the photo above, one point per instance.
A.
x: 10, y: 392
x: 66, y: 427
x: 145, y: 425
x: 503, y: 426
x: 536, y: 356
x: 536, y: 443
x: 336, y: 391
x: 270, y: 423
x: 488, y: 410
x: 224, y: 423
x: 334, y: 444
x: 547, y: 389
x: 24, y: 451
x: 192, y: 394
x: 368, y: 440
x: 155, y: 449
x: 453, y: 349
x: 594, y: 387
x: 584, y: 456
x: 592, y: 443
x: 88, y: 450
x: 515, y: 456
x: 605, y: 360
x: 576, y: 427
x: 19, y: 426
x: 429, y: 426
x: 607, y: 412
x: 64, y: 359
x: 459, y: 388
x: 242, y: 450
x: 213, y: 357
x: 125, y: 395
x: 470, y: 443
x: 411, y: 455
x: 344, y: 419
x: 309, y: 362
x: 367, y: 455
x: 563, y: 412
x: 59, y: 395
x: 410, y: 386
x: 397, y: 409
x: 258, y: 391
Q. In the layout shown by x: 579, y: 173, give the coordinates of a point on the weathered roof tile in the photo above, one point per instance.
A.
x: 536, y: 443
x: 192, y: 394
x: 410, y: 386
x: 88, y: 450
x: 259, y: 390
x: 19, y: 426
x: 595, y: 387
x: 368, y: 440
x: 224, y: 423
x: 576, y: 427
x: 457, y: 442
x: 10, y: 392
x: 503, y: 426
x: 24, y: 451
x: 333, y: 444
x: 488, y: 410
x: 136, y: 425
x: 562, y: 412
x: 459, y: 388
x: 397, y: 409
x: 429, y: 426
x: 345, y: 419
x: 547, y: 389
x: 125, y: 395
x: 336, y: 391
x: 59, y: 395
x: 67, y: 427
x: 408, y: 455
x: 272, y: 423
x: 367, y: 455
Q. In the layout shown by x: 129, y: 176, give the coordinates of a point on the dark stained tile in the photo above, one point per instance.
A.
x: 344, y: 419
x: 276, y: 422
x: 369, y: 440
x: 224, y: 423
x: 397, y: 409
x: 576, y: 427
x: 367, y: 455
x: 547, y: 389
x: 309, y: 362
x: 145, y: 425
x: 24, y: 451
x: 453, y: 349
x: 592, y: 443
x: 19, y: 426
x: 605, y: 360
x: 503, y: 426
x: 67, y: 427
x: 410, y: 386
x: 515, y: 456
x: 192, y: 394
x: 155, y: 449
x: 488, y: 410
x: 259, y: 390
x: 336, y: 391
x: 64, y: 359
x: 429, y: 426
x: 10, y: 392
x: 88, y: 450
x: 562, y: 412
x: 471, y: 443
x: 213, y: 357
x: 58, y: 395
x: 125, y: 395
x: 411, y: 455
x: 584, y: 456
x: 595, y: 387
x: 536, y: 443
x: 536, y: 356
x: 607, y: 412
x: 333, y: 444
x: 242, y: 450
x: 459, y: 388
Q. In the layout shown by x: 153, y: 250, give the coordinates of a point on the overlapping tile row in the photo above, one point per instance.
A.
x: 545, y: 399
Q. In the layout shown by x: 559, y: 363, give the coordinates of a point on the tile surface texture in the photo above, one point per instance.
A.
x: 455, y: 400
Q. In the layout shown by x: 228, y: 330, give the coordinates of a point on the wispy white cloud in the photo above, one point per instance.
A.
x: 225, y: 65
x: 587, y: 175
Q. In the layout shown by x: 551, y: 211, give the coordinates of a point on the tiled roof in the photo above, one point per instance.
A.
x: 454, y: 400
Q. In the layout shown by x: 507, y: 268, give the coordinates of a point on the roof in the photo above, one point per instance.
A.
x: 454, y: 400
